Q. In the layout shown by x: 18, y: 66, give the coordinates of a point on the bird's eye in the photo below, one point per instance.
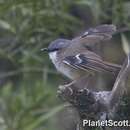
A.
x: 52, y: 49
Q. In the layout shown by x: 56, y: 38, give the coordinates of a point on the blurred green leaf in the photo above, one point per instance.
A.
x: 45, y: 117
x: 6, y: 25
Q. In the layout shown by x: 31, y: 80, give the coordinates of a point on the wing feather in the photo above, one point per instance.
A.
x: 97, y: 34
x: 88, y: 62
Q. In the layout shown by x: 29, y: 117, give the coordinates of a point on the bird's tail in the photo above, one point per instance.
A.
x: 113, y: 68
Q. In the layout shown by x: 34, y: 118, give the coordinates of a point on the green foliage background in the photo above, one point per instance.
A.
x: 28, y: 80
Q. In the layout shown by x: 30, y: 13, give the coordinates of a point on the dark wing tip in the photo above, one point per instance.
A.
x: 106, y: 28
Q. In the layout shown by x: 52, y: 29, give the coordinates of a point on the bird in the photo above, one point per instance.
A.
x: 75, y: 59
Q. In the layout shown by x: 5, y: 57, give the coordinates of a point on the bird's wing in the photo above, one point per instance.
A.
x: 89, y: 61
x: 97, y: 34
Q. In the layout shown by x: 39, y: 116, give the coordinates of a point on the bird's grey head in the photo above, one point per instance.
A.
x: 58, y: 44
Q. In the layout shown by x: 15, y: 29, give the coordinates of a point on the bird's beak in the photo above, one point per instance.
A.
x: 44, y: 49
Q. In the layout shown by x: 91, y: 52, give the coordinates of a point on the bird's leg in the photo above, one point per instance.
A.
x: 79, y: 84
x: 68, y: 92
x: 66, y: 88
x: 69, y: 84
x: 79, y: 81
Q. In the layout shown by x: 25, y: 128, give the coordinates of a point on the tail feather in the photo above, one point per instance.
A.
x: 114, y: 68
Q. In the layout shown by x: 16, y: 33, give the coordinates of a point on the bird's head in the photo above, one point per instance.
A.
x: 57, y: 45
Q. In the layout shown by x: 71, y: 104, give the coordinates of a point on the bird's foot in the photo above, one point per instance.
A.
x: 64, y: 91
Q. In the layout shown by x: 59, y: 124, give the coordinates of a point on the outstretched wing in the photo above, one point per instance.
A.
x: 91, y: 62
x: 97, y: 34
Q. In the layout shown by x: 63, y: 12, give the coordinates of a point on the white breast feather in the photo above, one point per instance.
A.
x: 53, y: 57
x: 60, y: 67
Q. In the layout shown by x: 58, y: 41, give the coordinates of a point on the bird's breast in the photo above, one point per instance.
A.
x: 53, y: 57
x: 63, y: 68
